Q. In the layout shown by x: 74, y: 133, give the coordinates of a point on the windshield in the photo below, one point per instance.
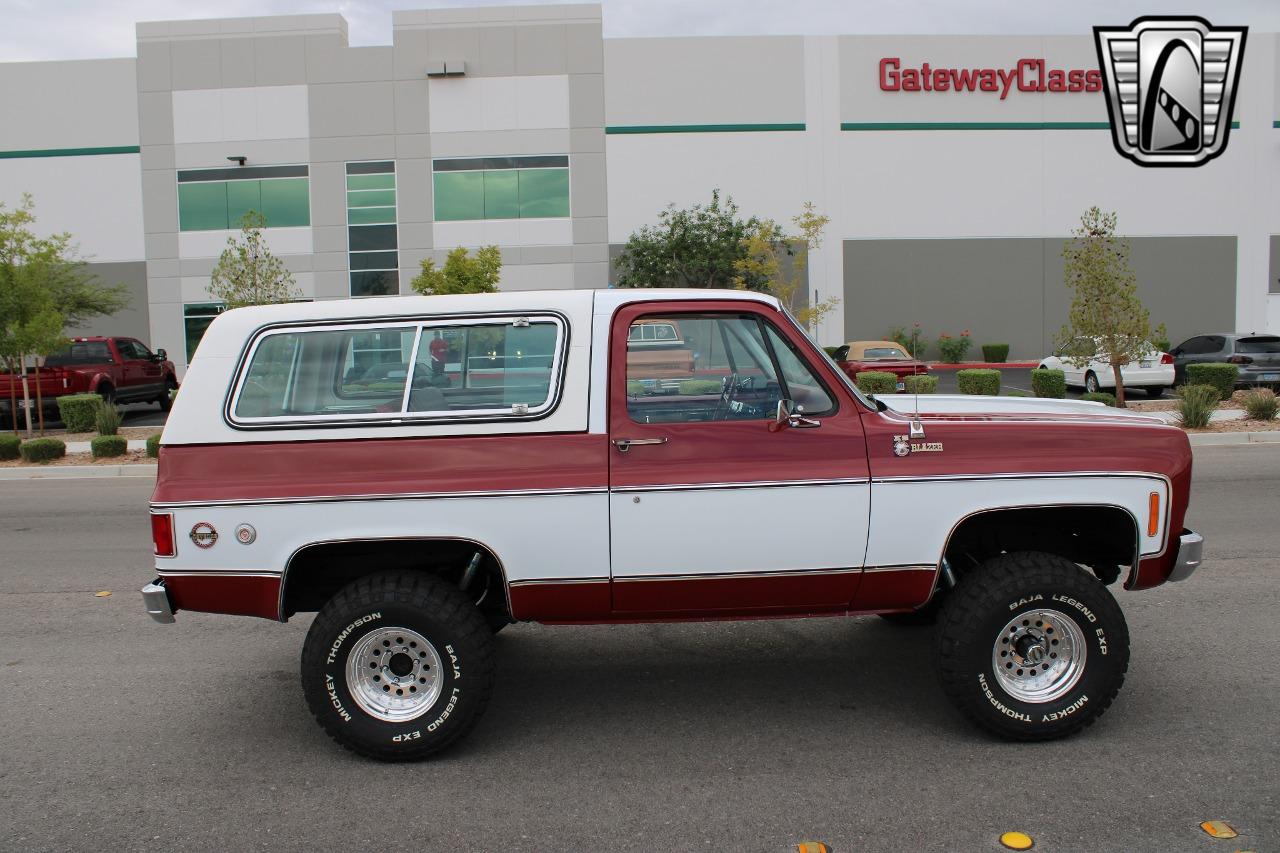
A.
x: 883, y: 353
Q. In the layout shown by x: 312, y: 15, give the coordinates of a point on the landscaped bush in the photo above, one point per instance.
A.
x: 921, y: 383
x: 1260, y: 404
x: 877, y: 382
x: 108, y: 445
x: 979, y: 381
x: 1195, y: 404
x: 701, y: 386
x: 1107, y: 399
x: 77, y: 411
x: 107, y: 419
x: 153, y: 442
x: 995, y: 353
x: 43, y: 449
x: 9, y: 444
x: 1049, y: 383
x: 952, y: 350
x: 1219, y: 375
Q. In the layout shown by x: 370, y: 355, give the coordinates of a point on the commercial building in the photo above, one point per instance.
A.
x: 951, y: 167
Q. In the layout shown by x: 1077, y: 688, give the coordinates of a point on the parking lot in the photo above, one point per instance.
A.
x: 123, y: 734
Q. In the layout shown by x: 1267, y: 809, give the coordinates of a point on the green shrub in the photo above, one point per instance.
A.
x: 77, y: 411
x: 43, y: 449
x: 1219, y: 375
x: 913, y: 341
x: 107, y: 419
x: 952, y: 350
x: 1195, y: 404
x: 1103, y: 397
x: 153, y: 445
x: 108, y: 445
x: 921, y: 383
x: 1049, y: 383
x: 876, y: 382
x: 1260, y: 404
x: 979, y: 381
x: 700, y: 386
x: 995, y: 353
x: 9, y: 444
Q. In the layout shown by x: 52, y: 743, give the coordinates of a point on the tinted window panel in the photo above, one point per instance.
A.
x: 80, y: 352
x: 371, y: 215
x: 459, y: 196
x: 202, y: 206
x: 371, y: 237
x: 374, y: 261
x: 377, y: 198
x: 385, y: 283
x: 1258, y: 345
x: 242, y: 197
x: 501, y: 195
x: 544, y: 193
x: 286, y: 203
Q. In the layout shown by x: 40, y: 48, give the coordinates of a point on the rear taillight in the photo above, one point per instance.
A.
x: 1240, y: 359
x: 162, y: 534
x: 1165, y: 358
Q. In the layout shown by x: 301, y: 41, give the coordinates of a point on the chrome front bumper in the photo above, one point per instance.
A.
x: 156, y: 599
x: 1190, y: 552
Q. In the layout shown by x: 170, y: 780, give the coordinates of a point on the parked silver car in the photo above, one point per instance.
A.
x: 1257, y: 356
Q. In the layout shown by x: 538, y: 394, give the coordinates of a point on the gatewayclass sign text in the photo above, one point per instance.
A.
x: 1028, y: 75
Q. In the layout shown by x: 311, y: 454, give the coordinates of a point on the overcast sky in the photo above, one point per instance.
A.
x: 76, y: 29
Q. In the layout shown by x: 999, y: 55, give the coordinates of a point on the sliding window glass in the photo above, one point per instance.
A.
x: 196, y: 318
x: 372, y: 244
x: 218, y: 199
x: 535, y: 187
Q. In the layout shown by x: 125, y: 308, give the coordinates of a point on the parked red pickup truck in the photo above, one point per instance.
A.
x: 122, y: 370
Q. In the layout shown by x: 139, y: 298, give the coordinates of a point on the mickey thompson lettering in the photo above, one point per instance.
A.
x: 346, y: 632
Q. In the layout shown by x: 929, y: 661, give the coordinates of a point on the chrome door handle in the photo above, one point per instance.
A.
x: 624, y: 444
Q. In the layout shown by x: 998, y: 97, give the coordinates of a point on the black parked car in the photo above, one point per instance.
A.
x: 1257, y: 356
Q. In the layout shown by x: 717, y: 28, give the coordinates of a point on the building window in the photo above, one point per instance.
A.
x: 371, y: 229
x: 196, y: 317
x: 217, y: 199
x: 501, y: 188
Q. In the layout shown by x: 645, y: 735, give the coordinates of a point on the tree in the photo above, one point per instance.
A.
x: 1106, y: 319
x: 44, y: 286
x: 461, y: 273
x: 697, y: 247
x: 763, y: 249
x: 247, y: 273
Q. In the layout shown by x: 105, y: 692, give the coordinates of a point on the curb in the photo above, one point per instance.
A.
x: 78, y: 472
x: 1226, y: 439
x: 984, y: 365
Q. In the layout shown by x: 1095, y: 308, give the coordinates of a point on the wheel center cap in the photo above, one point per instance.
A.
x: 400, y: 664
x: 1030, y: 649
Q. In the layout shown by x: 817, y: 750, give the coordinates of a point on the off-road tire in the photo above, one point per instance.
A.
x: 992, y: 597
x: 1096, y: 386
x: 1155, y: 392
x: 166, y: 399
x: 417, y: 603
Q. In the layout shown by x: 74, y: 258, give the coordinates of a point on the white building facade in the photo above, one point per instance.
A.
x: 523, y: 127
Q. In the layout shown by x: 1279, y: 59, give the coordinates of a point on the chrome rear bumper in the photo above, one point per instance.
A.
x: 156, y: 599
x: 1190, y: 553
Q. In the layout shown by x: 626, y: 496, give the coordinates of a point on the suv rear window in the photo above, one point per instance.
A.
x: 484, y: 368
x: 1258, y: 344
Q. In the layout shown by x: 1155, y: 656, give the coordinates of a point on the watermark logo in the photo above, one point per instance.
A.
x: 1171, y: 85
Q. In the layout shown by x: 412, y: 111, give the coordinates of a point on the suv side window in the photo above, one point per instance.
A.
x: 721, y: 367
x: 130, y: 350
x: 488, y: 368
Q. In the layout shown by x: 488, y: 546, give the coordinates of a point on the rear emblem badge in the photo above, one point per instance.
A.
x: 204, y: 535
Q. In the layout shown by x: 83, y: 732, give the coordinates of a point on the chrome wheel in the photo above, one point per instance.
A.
x: 393, y: 674
x: 1039, y: 656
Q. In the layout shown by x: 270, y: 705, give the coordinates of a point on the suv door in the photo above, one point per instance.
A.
x: 711, y: 509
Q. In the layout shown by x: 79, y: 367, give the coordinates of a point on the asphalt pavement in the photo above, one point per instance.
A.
x: 1014, y: 379
x: 121, y: 734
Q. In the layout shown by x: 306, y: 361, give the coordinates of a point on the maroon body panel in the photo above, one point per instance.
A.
x: 893, y: 589
x: 387, y: 466
x: 564, y: 601
x: 782, y: 593
x: 239, y: 595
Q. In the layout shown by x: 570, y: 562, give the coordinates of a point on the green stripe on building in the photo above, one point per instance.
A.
x: 68, y: 152
x: 701, y: 128
x: 986, y: 125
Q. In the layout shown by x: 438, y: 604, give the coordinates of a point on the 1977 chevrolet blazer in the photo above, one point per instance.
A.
x: 423, y: 471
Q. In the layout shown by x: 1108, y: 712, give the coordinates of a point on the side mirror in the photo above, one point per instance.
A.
x: 841, y: 353
x: 790, y: 415
x: 161, y: 355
